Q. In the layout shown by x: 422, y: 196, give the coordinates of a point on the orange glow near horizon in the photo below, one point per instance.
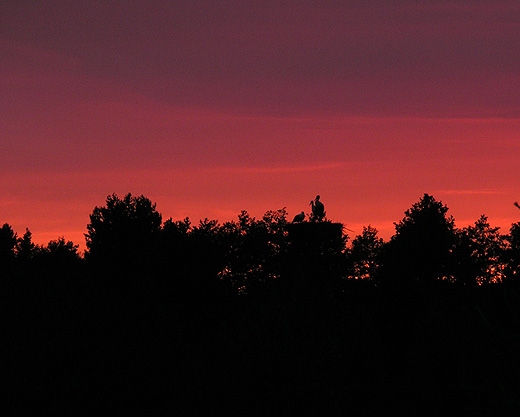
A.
x: 361, y: 184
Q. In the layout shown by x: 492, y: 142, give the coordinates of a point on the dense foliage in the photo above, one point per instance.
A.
x: 263, y: 316
x: 127, y: 237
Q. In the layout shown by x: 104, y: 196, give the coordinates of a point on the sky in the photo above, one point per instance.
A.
x: 212, y: 107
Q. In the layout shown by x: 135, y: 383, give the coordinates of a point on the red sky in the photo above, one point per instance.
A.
x: 209, y: 108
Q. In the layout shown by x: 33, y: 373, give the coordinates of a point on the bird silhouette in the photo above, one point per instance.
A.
x: 299, y: 218
x: 318, y: 209
x: 516, y: 204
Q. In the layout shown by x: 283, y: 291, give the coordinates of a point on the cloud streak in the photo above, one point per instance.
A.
x: 469, y: 192
x: 282, y: 169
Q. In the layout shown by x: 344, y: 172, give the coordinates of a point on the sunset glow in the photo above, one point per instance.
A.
x: 210, y: 108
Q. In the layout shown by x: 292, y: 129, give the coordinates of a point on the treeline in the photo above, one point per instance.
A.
x: 262, y: 317
x: 128, y: 237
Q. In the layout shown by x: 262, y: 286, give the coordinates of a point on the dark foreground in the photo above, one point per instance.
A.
x: 359, y: 350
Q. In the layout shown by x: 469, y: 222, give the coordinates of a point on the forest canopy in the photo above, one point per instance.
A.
x: 263, y: 316
x: 128, y: 236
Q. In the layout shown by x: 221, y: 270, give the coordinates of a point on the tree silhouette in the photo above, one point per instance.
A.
x: 123, y: 233
x: 421, y: 248
x: 480, y: 254
x: 25, y: 248
x: 8, y: 240
x: 291, y: 319
x: 365, y: 254
x: 512, y: 253
x: 253, y: 249
x: 173, y: 243
x: 59, y: 260
x: 207, y: 251
x: 62, y: 251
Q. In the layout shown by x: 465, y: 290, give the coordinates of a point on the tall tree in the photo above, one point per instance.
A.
x: 123, y: 233
x: 421, y: 248
x: 8, y: 240
x: 25, y: 248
